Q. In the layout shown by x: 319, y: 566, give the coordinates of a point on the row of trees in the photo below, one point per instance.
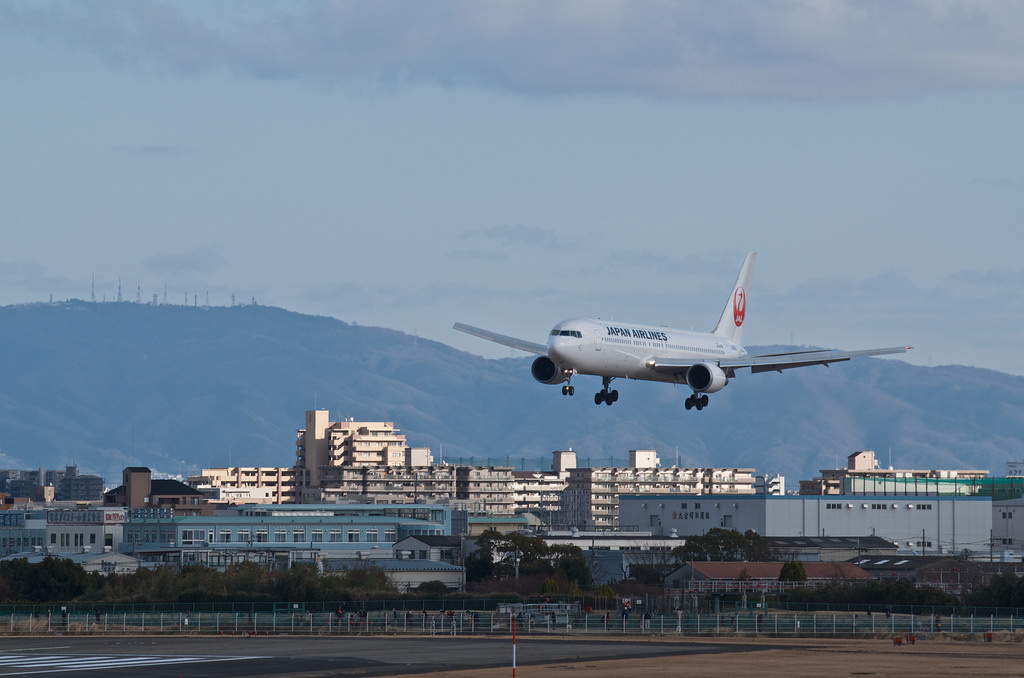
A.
x: 505, y: 556
x: 61, y: 580
x: 544, y: 569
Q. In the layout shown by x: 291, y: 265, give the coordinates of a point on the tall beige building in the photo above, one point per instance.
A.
x: 324, y: 444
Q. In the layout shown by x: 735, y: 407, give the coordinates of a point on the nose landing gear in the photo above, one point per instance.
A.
x: 568, y: 390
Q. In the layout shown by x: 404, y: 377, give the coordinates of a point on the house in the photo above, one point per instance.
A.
x: 139, y: 491
x: 103, y: 562
x: 953, y: 575
x: 405, y: 574
x: 439, y: 548
x: 757, y: 577
x: 813, y: 549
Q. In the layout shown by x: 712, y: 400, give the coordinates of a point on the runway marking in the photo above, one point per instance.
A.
x: 26, y: 664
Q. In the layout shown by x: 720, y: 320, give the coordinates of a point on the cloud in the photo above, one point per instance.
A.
x: 790, y: 49
x: 150, y: 149
x: 518, y: 236
x: 479, y: 255
x: 17, y: 269
x: 200, y: 260
x: 995, y: 182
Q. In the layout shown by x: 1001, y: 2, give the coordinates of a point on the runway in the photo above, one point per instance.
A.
x: 272, y: 656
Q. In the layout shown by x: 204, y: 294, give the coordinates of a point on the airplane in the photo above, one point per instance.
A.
x: 703, y: 361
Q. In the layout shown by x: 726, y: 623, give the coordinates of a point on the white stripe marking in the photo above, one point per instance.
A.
x: 23, y: 664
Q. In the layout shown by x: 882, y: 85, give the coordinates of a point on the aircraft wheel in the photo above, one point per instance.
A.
x: 689, y: 403
x: 598, y: 398
x: 571, y: 390
x: 704, y: 400
x: 615, y: 397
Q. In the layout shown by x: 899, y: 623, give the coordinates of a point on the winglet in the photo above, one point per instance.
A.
x: 730, y: 325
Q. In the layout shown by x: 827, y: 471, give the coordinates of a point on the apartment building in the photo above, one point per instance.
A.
x: 591, y: 498
x: 385, y: 485
x: 324, y: 444
x: 485, y: 489
x: 247, y: 484
x: 540, y: 492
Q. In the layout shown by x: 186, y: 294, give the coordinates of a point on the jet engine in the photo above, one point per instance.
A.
x: 705, y: 378
x: 546, y: 371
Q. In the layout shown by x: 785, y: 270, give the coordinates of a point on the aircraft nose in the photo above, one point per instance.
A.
x: 555, y: 349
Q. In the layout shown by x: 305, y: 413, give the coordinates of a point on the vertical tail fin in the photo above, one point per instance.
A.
x: 730, y: 325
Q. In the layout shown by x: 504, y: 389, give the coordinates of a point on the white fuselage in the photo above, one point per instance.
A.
x: 608, y: 348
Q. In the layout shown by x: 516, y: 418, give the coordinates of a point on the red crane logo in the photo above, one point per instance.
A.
x: 739, y: 306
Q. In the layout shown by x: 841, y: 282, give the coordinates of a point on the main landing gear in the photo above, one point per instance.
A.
x: 698, y: 401
x: 604, y: 395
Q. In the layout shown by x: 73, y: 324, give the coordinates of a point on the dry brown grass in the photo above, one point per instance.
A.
x: 940, y: 657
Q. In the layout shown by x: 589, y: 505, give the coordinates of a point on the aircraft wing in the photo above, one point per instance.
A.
x: 776, y: 362
x: 520, y: 344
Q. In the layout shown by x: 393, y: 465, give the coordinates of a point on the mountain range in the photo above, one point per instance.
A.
x: 179, y: 388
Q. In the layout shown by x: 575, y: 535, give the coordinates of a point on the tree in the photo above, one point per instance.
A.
x: 434, y: 588
x: 549, y: 587
x: 498, y: 556
x: 719, y: 544
x: 793, y: 570
x: 571, y: 562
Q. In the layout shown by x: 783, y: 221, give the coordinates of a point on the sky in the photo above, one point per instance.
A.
x: 512, y: 164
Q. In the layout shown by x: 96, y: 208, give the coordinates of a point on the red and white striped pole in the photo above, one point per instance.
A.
x: 513, y: 646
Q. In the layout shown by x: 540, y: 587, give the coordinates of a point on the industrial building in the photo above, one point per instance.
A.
x: 916, y: 524
x: 279, y: 535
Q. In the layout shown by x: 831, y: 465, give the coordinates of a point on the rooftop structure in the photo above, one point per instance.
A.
x: 862, y: 475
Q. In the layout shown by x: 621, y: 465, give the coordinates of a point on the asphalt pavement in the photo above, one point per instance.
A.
x: 272, y: 656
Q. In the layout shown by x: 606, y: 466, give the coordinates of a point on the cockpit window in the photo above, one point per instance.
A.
x: 567, y: 333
